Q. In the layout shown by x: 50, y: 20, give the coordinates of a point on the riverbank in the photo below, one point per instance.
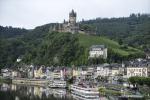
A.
x: 5, y: 80
x: 38, y: 82
x: 32, y: 92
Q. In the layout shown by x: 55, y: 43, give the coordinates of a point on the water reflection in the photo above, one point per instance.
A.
x: 22, y: 92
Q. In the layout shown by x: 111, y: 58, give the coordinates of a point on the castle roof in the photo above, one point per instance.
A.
x: 72, y: 13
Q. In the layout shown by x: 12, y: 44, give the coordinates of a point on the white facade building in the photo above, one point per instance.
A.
x: 6, y: 72
x: 19, y: 59
x: 148, y: 55
x: 98, y: 51
x: 114, y: 71
x: 102, y: 71
x: 137, y: 71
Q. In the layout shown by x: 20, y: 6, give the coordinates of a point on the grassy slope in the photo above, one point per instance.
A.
x: 87, y: 41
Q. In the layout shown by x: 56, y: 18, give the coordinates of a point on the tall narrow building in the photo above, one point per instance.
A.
x: 72, y: 17
x: 68, y: 26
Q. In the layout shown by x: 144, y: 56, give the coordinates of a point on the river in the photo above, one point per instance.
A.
x: 24, y: 92
x: 27, y: 92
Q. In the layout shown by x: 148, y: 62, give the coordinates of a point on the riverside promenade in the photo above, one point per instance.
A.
x: 39, y: 82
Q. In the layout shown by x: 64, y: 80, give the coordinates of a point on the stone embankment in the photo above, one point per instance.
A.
x: 39, y: 82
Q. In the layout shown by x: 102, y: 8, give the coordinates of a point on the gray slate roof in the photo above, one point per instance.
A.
x: 97, y: 46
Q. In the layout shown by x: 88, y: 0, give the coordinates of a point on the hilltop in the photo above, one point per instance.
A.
x: 133, y: 30
x: 87, y: 41
x: 72, y: 49
x: 40, y: 46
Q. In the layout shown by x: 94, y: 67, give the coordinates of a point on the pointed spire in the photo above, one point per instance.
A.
x: 72, y: 13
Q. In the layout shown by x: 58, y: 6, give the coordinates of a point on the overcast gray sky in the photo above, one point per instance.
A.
x: 32, y: 13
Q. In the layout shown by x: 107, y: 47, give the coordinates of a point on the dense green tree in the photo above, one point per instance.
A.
x: 9, y: 32
x: 41, y: 46
x: 120, y: 41
x: 133, y: 30
x: 139, y: 80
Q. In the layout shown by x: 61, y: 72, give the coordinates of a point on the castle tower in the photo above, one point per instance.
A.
x: 72, y: 17
x: 68, y: 26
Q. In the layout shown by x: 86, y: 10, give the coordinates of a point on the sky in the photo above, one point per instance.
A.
x: 31, y: 13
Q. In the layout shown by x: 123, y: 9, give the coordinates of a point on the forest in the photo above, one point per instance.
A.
x: 133, y: 30
x: 126, y: 38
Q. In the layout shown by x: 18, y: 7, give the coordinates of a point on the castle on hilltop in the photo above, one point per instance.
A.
x: 68, y: 26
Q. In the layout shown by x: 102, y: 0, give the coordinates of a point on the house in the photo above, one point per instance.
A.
x: 148, y: 68
x: 102, y: 70
x: 137, y: 71
x: 48, y: 73
x: 75, y: 73
x: 6, y: 72
x: 122, y: 70
x: 31, y: 71
x: 89, y: 76
x: 40, y: 73
x: 83, y: 71
x: 117, y: 69
x: 138, y: 67
x: 15, y: 74
x: 58, y: 73
x: 114, y: 71
x: 67, y: 73
x: 147, y: 55
x: 98, y: 51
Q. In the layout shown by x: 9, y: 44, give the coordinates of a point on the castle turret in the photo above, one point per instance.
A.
x: 70, y: 26
x: 72, y: 17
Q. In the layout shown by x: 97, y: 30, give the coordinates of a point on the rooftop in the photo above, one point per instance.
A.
x: 98, y: 46
x: 72, y: 13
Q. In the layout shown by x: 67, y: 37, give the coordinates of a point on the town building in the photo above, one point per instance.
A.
x: 117, y: 69
x: 98, y: 51
x: 48, y: 73
x: 67, y: 73
x: 15, y: 74
x: 6, y: 72
x: 40, y: 73
x: 31, y: 71
x: 90, y: 73
x: 114, y: 71
x: 58, y: 73
x: 138, y: 67
x: 136, y: 71
x: 75, y: 72
x: 147, y: 55
x: 102, y: 71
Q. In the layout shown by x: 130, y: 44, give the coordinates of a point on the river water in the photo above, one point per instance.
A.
x: 23, y: 92
x: 26, y: 92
